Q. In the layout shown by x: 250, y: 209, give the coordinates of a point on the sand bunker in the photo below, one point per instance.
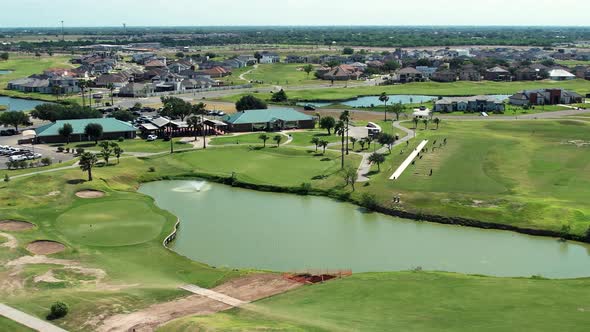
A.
x: 15, y: 225
x: 45, y: 247
x: 90, y: 194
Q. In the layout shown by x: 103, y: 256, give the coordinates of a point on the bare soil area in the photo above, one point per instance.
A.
x: 44, y: 247
x: 248, y: 288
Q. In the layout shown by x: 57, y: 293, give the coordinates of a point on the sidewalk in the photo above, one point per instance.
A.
x: 28, y: 320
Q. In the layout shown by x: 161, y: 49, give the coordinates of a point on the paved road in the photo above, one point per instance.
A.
x: 28, y: 320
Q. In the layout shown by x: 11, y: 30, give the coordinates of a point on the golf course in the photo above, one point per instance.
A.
x: 112, y: 267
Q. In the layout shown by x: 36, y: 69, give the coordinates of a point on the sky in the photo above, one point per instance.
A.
x: 77, y: 13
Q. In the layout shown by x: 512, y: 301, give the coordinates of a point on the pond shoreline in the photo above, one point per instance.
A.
x: 418, y: 217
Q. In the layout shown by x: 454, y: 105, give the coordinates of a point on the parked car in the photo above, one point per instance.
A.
x: 309, y: 107
x: 17, y: 157
x: 151, y: 138
x: 7, y: 132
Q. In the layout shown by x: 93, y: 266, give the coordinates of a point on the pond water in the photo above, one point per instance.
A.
x: 368, y: 101
x: 17, y: 104
x: 238, y: 228
x: 4, y: 72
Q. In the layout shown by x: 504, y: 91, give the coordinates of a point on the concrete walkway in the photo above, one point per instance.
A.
x: 219, y: 297
x: 28, y: 320
x: 408, y: 161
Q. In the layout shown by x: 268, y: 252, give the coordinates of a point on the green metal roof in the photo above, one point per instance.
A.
x: 267, y: 115
x: 109, y: 125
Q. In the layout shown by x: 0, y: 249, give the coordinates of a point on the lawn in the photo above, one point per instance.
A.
x: 12, y: 326
x: 282, y: 74
x: 461, y: 88
x: 243, y: 139
x: 24, y: 66
x: 133, y: 145
x: 411, y: 301
x: 526, y: 173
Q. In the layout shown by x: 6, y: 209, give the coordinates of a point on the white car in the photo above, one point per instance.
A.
x: 18, y: 157
x: 151, y: 138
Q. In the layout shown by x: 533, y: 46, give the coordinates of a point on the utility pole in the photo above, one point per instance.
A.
x: 63, y: 36
x: 125, y: 29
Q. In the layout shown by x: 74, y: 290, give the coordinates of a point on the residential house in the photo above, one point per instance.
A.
x: 342, y: 73
x: 118, y: 80
x: 561, y: 75
x: 269, y: 57
x: 295, y: 59
x: 410, y: 74
x: 445, y: 75
x: 137, y: 90
x: 545, y: 97
x: 582, y: 72
x: 497, y: 74
x: 486, y: 104
x: 469, y: 73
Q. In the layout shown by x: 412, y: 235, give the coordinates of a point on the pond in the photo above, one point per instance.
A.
x: 18, y: 104
x: 238, y: 228
x: 5, y: 72
x: 368, y: 101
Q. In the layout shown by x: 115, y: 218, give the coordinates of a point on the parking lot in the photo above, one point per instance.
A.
x: 29, y: 149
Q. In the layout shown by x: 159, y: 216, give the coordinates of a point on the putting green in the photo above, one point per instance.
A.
x: 111, y: 223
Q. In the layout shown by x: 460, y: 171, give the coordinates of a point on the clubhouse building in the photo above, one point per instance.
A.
x: 545, y: 97
x: 488, y: 104
x: 112, y: 129
x: 272, y: 119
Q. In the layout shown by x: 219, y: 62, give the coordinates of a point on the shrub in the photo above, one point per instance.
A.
x: 60, y: 149
x: 151, y: 169
x: 304, y: 189
x: 67, y: 150
x: 6, y: 178
x: 79, y: 150
x: 369, y: 201
x: 46, y: 161
x: 58, y: 310
x: 121, y: 139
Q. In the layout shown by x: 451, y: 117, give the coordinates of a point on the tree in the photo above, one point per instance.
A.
x: 66, y: 132
x: 436, y: 122
x: 425, y: 122
x: 198, y: 109
x: 176, y: 108
x: 353, y: 140
x: 105, y: 151
x: 279, y: 96
x: 123, y: 115
x: 316, y: 141
x: 249, y: 102
x: 391, y: 65
x: 94, y: 131
x: 387, y: 140
x: 308, y: 69
x: 257, y: 56
x: 397, y: 109
x: 179, y: 55
x: 350, y: 176
x: 377, y: 158
x: 348, y: 51
x: 328, y: 123
x: 15, y: 119
x: 58, y: 310
x: 83, y: 84
x: 117, y: 151
x: 194, y: 123
x: 278, y: 139
x: 4, y: 56
x: 111, y: 88
x: 324, y: 145
x: 416, y: 121
x: 264, y: 138
x: 87, y: 161
x: 384, y: 98
x: 362, y: 143
x: 345, y: 117
x: 68, y: 111
x: 340, y: 129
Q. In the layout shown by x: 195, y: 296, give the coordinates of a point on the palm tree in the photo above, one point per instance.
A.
x: 87, y: 161
x: 415, y: 120
x: 264, y: 138
x: 316, y: 141
x: 362, y: 143
x: 83, y: 84
x: 324, y: 145
x: 319, y: 116
x: 340, y: 129
x: 436, y: 122
x: 353, y: 140
x: 377, y: 158
x: 194, y: 123
x: 105, y: 151
x: 425, y: 122
x: 111, y: 88
x: 345, y: 117
x: 278, y: 139
x: 397, y: 109
x: 56, y: 90
x: 384, y: 98
x: 117, y: 151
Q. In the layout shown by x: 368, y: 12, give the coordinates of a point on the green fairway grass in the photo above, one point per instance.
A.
x: 112, y: 223
x: 12, y: 326
x: 282, y: 74
x: 412, y: 301
x: 523, y: 173
x: 243, y: 139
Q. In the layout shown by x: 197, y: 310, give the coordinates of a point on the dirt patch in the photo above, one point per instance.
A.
x: 12, y: 243
x: 249, y: 288
x: 90, y: 194
x: 15, y: 225
x: 44, y: 247
x: 47, y: 277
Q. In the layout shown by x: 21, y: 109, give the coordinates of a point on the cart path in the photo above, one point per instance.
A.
x: 28, y: 320
x: 219, y: 297
x: 400, y: 170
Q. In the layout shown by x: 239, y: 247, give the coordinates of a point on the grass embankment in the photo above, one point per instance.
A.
x: 529, y: 174
x: 23, y: 66
x: 416, y: 301
x: 12, y: 326
x: 122, y: 232
x: 461, y: 88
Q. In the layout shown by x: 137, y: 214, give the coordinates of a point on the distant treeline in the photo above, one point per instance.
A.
x: 339, y: 36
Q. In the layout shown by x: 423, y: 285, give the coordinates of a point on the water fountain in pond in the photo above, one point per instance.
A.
x: 192, y: 187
